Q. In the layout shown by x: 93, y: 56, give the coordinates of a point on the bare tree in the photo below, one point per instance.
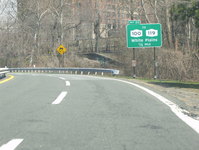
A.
x: 7, y: 30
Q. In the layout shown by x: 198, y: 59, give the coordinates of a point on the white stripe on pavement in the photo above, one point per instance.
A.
x: 67, y: 83
x: 11, y: 145
x: 60, y: 98
x: 194, y: 124
x: 62, y: 78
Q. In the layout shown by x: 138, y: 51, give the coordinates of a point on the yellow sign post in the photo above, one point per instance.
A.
x: 61, y: 49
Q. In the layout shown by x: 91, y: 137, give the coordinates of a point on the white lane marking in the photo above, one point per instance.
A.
x: 62, y: 78
x: 67, y: 83
x: 194, y: 124
x: 11, y: 145
x: 60, y: 98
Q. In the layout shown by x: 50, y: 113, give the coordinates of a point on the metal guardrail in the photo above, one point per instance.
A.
x: 82, y: 71
x: 3, y: 72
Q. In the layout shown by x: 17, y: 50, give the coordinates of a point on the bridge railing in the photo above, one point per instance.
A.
x: 82, y: 71
x: 3, y: 72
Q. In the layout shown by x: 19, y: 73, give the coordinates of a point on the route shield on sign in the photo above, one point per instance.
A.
x: 143, y: 35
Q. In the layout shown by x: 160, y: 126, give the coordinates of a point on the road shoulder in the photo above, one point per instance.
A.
x: 185, y: 98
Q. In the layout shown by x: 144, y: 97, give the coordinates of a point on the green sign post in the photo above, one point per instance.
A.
x: 143, y: 35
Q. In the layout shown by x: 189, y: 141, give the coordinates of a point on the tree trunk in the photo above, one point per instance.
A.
x: 97, y: 32
x: 145, y: 12
x: 155, y: 11
x: 97, y: 44
x: 168, y: 24
x: 197, y: 39
x: 189, y: 36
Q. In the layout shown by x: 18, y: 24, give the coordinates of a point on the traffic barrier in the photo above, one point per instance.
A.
x: 81, y: 71
x: 3, y: 72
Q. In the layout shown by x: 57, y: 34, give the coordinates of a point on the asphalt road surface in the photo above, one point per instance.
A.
x: 68, y: 112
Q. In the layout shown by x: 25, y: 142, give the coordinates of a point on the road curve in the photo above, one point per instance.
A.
x: 67, y: 112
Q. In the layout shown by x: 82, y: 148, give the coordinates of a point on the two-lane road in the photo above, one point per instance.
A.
x: 68, y: 112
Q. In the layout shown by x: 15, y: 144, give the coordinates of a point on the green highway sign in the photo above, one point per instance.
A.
x: 143, y: 35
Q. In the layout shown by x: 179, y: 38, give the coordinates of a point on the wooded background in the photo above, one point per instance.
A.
x: 32, y: 30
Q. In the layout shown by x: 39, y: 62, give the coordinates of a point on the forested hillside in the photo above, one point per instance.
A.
x: 32, y: 30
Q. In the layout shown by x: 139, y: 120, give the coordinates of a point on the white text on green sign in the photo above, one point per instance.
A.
x: 144, y: 35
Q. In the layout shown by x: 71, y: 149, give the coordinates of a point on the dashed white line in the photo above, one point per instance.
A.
x: 62, y: 78
x: 11, y: 145
x: 60, y: 98
x: 67, y: 83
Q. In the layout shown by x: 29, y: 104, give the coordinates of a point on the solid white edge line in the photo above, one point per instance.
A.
x: 11, y: 145
x: 60, y: 98
x: 194, y: 124
x: 67, y: 83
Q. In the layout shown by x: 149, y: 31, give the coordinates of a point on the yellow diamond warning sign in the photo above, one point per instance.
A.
x: 61, y: 49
